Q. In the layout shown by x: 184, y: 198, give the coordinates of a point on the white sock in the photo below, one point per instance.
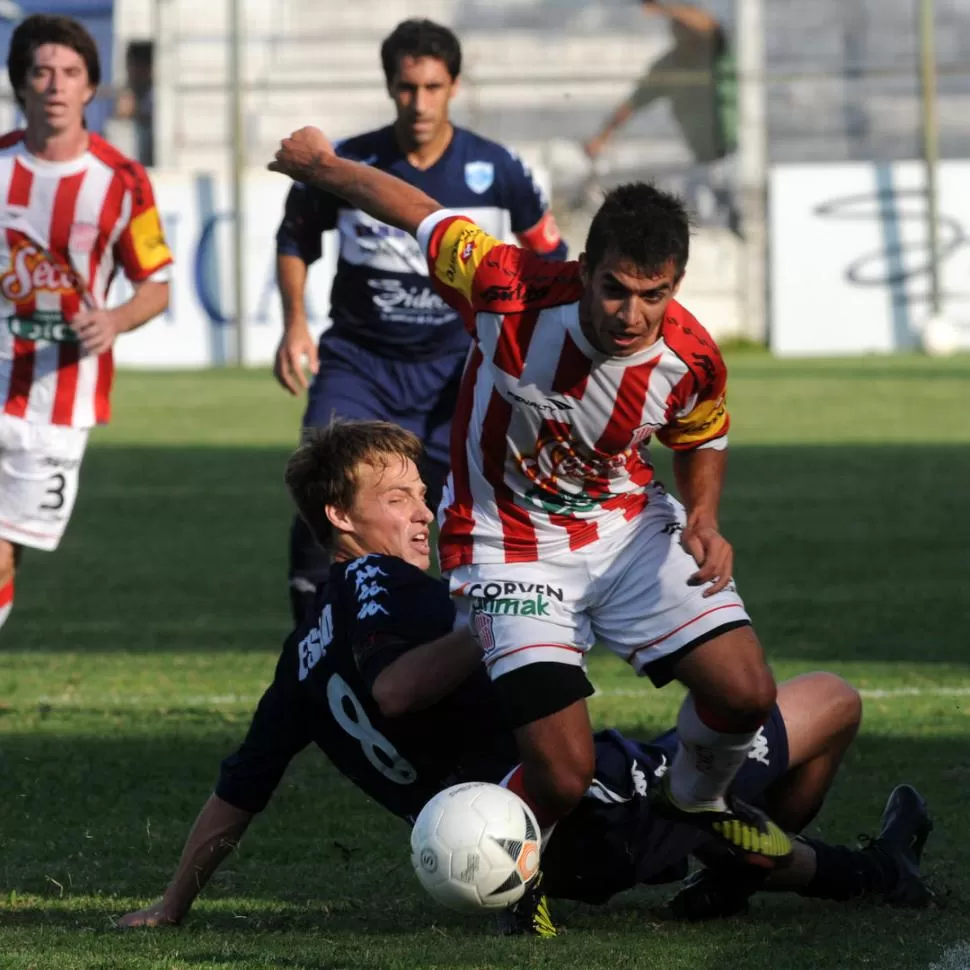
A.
x: 6, y: 601
x: 706, y: 760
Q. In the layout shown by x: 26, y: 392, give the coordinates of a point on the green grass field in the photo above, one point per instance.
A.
x: 136, y: 652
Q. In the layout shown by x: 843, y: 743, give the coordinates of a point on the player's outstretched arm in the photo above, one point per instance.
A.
x: 308, y: 157
x: 216, y: 833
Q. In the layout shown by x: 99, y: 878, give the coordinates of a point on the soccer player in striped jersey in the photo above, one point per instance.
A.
x: 74, y: 211
x: 554, y: 532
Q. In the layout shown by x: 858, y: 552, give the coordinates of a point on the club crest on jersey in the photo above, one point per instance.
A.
x: 30, y: 271
x: 479, y: 176
x: 83, y: 237
x: 644, y: 432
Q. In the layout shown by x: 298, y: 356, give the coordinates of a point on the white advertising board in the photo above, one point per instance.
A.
x: 198, y: 328
x: 850, y: 257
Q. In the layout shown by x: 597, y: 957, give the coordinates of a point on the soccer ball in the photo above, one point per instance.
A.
x: 475, y: 847
x: 940, y: 337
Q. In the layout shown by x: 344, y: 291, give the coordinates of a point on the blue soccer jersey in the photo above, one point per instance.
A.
x: 382, y: 297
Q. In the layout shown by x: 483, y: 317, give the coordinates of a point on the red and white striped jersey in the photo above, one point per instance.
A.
x: 65, y: 229
x: 549, y: 438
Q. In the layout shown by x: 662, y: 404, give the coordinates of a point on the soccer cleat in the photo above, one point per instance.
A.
x: 716, y: 893
x: 746, y: 831
x: 906, y: 824
x: 530, y: 916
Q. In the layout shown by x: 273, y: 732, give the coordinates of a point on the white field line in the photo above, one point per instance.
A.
x: 145, y: 700
x: 874, y: 693
x: 150, y: 700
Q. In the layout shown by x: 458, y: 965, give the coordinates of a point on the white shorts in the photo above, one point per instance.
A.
x: 39, y: 469
x: 630, y: 593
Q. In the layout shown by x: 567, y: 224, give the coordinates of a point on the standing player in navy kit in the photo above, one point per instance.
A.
x: 396, y: 350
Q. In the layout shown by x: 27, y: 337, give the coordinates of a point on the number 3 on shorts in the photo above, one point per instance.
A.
x: 55, y: 493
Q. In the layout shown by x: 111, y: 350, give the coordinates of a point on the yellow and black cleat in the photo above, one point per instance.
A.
x: 744, y: 830
x: 530, y: 916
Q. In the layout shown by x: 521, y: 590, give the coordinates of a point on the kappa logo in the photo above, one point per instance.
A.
x: 549, y: 404
x: 759, y: 749
x: 367, y: 586
x: 479, y: 176
x: 640, y: 779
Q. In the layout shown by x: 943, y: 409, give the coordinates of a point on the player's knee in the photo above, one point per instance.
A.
x: 746, y: 701
x: 561, y: 782
x: 844, y: 699
x: 567, y: 785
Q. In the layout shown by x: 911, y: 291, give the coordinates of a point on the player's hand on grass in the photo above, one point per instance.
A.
x: 97, y: 329
x: 155, y: 915
x: 297, y: 344
x: 712, y: 552
x: 298, y: 155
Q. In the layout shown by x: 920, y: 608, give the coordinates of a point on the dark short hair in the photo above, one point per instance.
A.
x: 40, y: 29
x: 640, y: 223
x: 323, y: 470
x: 420, y: 38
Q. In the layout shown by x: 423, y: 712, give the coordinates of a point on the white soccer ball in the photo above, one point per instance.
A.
x: 475, y: 847
x: 940, y: 337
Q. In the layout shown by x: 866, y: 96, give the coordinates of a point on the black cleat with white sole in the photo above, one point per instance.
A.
x: 906, y: 825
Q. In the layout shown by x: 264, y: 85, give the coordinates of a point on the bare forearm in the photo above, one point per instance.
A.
x: 377, y: 193
x: 291, y: 274
x: 617, y: 120
x: 147, y: 302
x: 216, y: 833
x: 427, y: 674
x: 700, y: 478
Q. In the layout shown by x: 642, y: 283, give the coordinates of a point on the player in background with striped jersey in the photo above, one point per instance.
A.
x: 396, y: 349
x: 554, y: 532
x: 74, y: 211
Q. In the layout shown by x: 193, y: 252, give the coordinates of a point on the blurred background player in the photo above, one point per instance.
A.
x: 74, y: 211
x: 395, y: 349
x: 403, y: 707
x: 697, y: 78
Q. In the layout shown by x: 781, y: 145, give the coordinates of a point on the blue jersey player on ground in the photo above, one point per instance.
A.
x: 402, y: 705
x: 395, y: 349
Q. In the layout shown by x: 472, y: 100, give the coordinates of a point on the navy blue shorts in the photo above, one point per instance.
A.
x: 614, y: 840
x: 355, y: 383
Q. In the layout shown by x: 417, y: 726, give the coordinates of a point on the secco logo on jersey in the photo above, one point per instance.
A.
x: 30, y: 272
